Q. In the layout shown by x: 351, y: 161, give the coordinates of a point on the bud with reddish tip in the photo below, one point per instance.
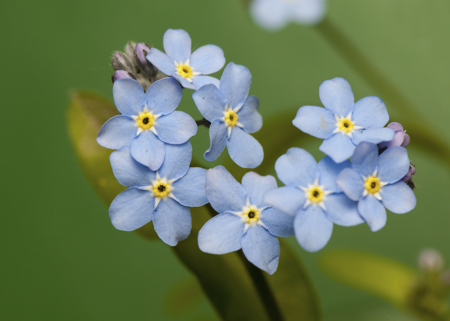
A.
x: 122, y: 74
x: 140, y: 54
x: 120, y: 61
x: 401, y: 138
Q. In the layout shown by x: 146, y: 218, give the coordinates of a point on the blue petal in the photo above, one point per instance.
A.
x: 129, y: 96
x: 297, y: 167
x: 175, y: 128
x: 308, y: 11
x: 287, y: 199
x: 351, y: 183
x: 162, y: 61
x: 373, y: 212
x: 177, y: 45
x: 177, y: 161
x: 117, y: 132
x: 148, y: 150
x: 365, y: 159
x: 163, y: 96
x: 269, y: 14
x: 131, y: 209
x: 257, y: 185
x: 183, y: 81
x: 337, y: 96
x: 261, y: 248
x: 277, y: 222
x: 129, y: 172
x: 370, y: 112
x: 221, y: 234
x: 190, y: 189
x: 312, y: 228
x: 342, y: 211
x: 244, y: 149
x: 235, y: 84
x: 329, y: 171
x: 223, y: 191
x: 398, y: 198
x: 210, y: 102
x: 374, y: 136
x: 207, y: 59
x: 218, y: 137
x: 393, y: 164
x: 339, y: 147
x: 199, y: 81
x: 172, y: 221
x: 249, y: 116
x: 315, y: 121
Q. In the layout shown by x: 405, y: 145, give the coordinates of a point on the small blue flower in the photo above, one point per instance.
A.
x: 232, y: 115
x: 343, y: 123
x: 186, y: 68
x: 275, y: 14
x: 311, y: 194
x: 245, y: 221
x: 147, y: 120
x: 163, y: 197
x: 375, y: 182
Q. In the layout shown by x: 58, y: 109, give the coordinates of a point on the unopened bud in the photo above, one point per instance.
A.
x: 431, y: 260
x: 120, y: 61
x: 129, y: 48
x: 411, y: 172
x: 122, y: 74
x: 401, y: 138
x: 140, y: 54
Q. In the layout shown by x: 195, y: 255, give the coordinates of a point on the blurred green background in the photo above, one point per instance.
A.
x: 62, y: 259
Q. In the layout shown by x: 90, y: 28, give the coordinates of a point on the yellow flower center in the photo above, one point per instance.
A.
x: 161, y: 189
x: 345, y: 125
x: 251, y: 215
x: 230, y: 118
x: 145, y: 120
x: 184, y: 71
x: 315, y: 194
x: 372, y: 185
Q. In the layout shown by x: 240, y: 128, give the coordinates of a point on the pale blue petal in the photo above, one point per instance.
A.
x: 373, y: 212
x: 129, y: 96
x: 308, y: 11
x: 218, y: 138
x: 370, y: 112
x: 287, y: 199
x: 393, y: 164
x: 223, y: 191
x: 249, y: 116
x: 129, y: 172
x: 297, y: 167
x: 337, y: 96
x: 398, y: 198
x: 365, y: 159
x: 207, y: 59
x: 269, y: 14
x: 312, y: 228
x: 175, y: 128
x: 190, y: 189
x: 328, y: 172
x: 162, y: 61
x: 131, y: 209
x: 342, y: 211
x: 373, y: 136
x: 163, y: 96
x: 199, y: 81
x: 339, y: 147
x: 177, y: 161
x: 172, y: 221
x: 261, y: 248
x: 148, y: 150
x: 235, y: 84
x: 257, y: 185
x: 117, y: 132
x: 277, y: 222
x: 210, y: 102
x: 221, y: 234
x: 244, y: 149
x: 315, y: 121
x: 183, y: 81
x: 351, y: 183
x: 177, y: 45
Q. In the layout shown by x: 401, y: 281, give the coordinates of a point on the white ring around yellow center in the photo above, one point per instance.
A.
x: 161, y: 188
x: 315, y: 194
x: 345, y: 125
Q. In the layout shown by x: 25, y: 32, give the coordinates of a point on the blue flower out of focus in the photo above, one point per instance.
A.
x: 313, y: 197
x: 147, y: 120
x: 189, y: 69
x: 275, y: 14
x: 343, y: 123
x: 375, y: 182
x: 244, y: 220
x: 233, y: 116
x: 163, y: 197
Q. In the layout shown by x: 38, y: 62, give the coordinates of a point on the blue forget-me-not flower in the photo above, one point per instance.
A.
x: 343, y: 123
x: 233, y: 116
x: 147, y: 120
x: 189, y: 69
x: 163, y: 197
x: 375, y: 182
x: 312, y: 196
x: 244, y: 220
